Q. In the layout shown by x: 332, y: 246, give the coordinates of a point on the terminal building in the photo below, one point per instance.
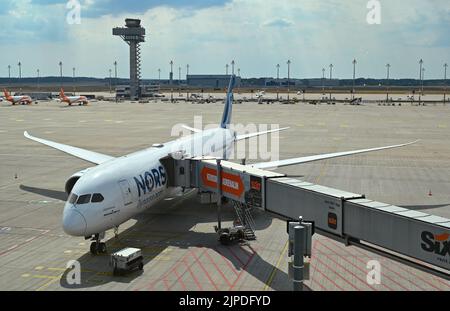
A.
x: 211, y: 81
x: 123, y: 91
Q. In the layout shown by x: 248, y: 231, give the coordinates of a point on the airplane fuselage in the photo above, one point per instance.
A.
x: 131, y: 184
x: 19, y: 99
x: 74, y: 100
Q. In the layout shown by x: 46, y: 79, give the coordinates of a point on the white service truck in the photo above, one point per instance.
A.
x: 127, y: 260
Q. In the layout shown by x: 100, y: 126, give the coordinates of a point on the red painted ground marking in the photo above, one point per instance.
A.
x: 397, y: 265
x: 382, y: 273
x: 318, y: 270
x: 165, y: 275
x: 217, y: 268
x: 364, y: 263
x: 344, y: 268
x: 338, y: 274
x: 312, y: 267
x: 165, y: 284
x: 204, y: 270
x: 417, y: 275
x: 227, y: 262
x: 243, y: 270
x: 192, y: 274
x: 180, y: 280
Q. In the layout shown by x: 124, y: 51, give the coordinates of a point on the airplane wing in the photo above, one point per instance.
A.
x: 194, y: 130
x: 89, y: 156
x: 281, y: 163
x: 247, y: 136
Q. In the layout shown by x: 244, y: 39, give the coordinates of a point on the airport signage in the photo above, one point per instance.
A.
x: 231, y: 183
x: 435, y: 243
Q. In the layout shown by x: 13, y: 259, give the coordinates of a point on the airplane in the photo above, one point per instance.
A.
x: 21, y: 99
x: 107, y: 195
x: 81, y: 100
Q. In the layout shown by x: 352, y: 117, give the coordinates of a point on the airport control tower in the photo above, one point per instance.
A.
x: 134, y: 35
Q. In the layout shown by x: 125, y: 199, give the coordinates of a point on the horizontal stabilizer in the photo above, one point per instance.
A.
x: 247, y: 136
x: 193, y: 130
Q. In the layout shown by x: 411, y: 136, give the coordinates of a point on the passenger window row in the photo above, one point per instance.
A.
x: 86, y: 198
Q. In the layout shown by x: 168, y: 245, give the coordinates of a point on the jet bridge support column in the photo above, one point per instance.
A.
x: 300, y: 239
x: 299, y: 236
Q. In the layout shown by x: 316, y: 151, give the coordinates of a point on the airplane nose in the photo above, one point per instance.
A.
x: 74, y: 223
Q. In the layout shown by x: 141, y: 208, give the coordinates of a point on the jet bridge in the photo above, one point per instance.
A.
x: 416, y: 238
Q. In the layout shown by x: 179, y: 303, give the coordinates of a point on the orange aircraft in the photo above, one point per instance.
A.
x: 22, y: 99
x: 81, y: 100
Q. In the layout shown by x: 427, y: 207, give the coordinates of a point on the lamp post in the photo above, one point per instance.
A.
x: 61, y: 73
x: 226, y: 69
x: 73, y: 80
x: 331, y: 78
x: 388, y: 66
x: 20, y: 70
x: 278, y: 82
x: 9, y: 71
x: 289, y: 78
x: 38, y: 76
x: 115, y: 73
x: 420, y: 79
x: 187, y: 86
x: 323, y: 81
x: 171, y: 80
x: 445, y: 82
x: 110, y: 81
x: 354, y: 77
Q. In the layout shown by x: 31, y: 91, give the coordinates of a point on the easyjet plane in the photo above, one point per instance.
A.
x: 22, y: 99
x: 80, y: 100
x: 114, y: 190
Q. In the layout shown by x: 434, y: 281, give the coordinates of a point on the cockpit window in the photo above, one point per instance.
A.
x: 97, y: 198
x: 83, y: 199
x: 73, y: 198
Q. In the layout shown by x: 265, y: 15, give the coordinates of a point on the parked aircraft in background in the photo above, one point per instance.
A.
x: 81, y: 100
x: 21, y: 99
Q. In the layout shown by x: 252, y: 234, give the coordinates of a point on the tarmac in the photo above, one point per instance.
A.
x: 180, y: 247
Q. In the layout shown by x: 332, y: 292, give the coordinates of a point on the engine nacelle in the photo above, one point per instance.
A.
x: 70, y: 183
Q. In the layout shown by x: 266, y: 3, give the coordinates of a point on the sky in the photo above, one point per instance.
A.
x: 208, y: 34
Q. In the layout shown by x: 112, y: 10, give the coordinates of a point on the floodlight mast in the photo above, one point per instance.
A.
x: 134, y: 35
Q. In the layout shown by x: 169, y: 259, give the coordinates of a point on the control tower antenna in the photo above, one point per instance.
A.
x: 134, y: 35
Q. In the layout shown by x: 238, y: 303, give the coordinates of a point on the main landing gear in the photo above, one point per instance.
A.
x: 98, y: 247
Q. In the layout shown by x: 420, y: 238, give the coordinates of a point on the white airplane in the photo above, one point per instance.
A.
x: 81, y: 100
x: 22, y: 99
x: 107, y: 195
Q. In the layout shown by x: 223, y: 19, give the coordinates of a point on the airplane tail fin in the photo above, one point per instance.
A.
x: 6, y: 93
x: 226, y: 118
x: 61, y: 93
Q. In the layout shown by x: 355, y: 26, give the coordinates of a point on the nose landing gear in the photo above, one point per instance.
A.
x: 98, y: 247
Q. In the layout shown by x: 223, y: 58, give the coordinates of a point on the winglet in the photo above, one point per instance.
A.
x: 226, y: 118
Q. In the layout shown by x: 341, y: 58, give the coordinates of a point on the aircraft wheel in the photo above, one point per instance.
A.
x: 225, y: 239
x: 94, y: 248
x: 102, y: 248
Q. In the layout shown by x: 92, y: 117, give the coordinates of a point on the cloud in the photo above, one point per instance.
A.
x: 280, y: 23
x: 208, y: 34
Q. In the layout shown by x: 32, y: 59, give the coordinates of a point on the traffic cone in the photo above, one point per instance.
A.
x: 430, y: 194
